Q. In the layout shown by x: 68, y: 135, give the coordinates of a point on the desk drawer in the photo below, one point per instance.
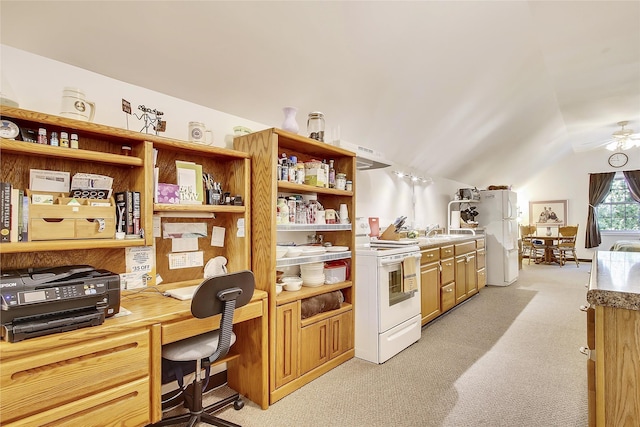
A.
x: 182, y: 329
x: 127, y: 404
x: 69, y: 374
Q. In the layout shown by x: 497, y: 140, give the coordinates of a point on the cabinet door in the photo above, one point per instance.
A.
x: 480, y: 259
x: 471, y: 272
x: 430, y: 291
x: 340, y: 334
x: 313, y: 344
x: 461, y: 278
x: 287, y: 333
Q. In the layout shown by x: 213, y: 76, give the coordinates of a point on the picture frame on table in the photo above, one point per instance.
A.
x: 548, y: 213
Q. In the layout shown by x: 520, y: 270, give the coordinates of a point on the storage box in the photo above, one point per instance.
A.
x: 334, y: 273
x: 88, y: 219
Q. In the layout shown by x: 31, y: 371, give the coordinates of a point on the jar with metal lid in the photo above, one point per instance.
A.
x: 315, y: 126
x: 341, y: 181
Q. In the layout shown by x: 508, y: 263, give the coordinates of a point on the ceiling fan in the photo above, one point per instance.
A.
x: 623, y: 139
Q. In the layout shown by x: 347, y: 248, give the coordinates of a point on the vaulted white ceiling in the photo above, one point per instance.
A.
x: 481, y: 92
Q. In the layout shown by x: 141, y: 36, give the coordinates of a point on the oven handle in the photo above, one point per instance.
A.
x: 399, y: 261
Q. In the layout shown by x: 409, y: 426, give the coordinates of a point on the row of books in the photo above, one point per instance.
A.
x: 14, y: 214
x: 128, y: 212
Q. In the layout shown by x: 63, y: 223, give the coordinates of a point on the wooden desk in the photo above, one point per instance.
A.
x: 111, y: 374
x: 549, y: 241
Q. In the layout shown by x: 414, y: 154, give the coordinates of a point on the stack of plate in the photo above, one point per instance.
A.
x: 313, y: 250
x: 312, y: 274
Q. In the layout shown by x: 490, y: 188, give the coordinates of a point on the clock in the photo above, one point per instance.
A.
x: 617, y: 160
x: 8, y: 129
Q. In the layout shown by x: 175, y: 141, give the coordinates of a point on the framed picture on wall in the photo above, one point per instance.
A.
x: 548, y: 213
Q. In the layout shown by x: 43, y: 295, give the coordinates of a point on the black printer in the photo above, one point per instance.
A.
x: 43, y: 301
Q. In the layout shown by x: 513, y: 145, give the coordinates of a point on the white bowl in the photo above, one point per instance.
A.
x: 313, y: 281
x: 292, y: 283
x: 281, y: 251
x: 293, y: 251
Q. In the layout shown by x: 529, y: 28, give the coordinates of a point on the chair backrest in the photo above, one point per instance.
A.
x: 568, y: 231
x: 223, y: 294
x: 209, y: 298
x: 527, y: 230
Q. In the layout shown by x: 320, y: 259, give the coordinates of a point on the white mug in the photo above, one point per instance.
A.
x: 320, y: 219
x: 199, y: 133
x: 75, y: 106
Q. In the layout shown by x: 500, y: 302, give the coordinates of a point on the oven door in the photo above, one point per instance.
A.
x: 396, y: 306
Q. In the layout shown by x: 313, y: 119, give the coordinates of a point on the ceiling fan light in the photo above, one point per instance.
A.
x: 612, y: 146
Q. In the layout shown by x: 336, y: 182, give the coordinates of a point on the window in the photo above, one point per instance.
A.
x: 619, y: 212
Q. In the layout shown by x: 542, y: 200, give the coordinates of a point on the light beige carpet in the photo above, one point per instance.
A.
x: 507, y: 357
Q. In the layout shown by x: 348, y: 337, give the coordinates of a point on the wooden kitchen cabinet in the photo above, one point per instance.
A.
x: 459, y: 274
x: 613, y: 340
x: 288, y: 333
x: 430, y: 285
x: 93, y: 382
x: 324, y: 340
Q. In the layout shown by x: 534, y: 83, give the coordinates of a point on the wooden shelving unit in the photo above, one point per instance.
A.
x: 300, y: 350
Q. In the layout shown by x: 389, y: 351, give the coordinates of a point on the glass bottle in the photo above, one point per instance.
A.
x: 64, y: 139
x: 74, y: 140
x: 54, y: 139
x: 332, y: 175
x: 42, y: 136
x: 315, y: 126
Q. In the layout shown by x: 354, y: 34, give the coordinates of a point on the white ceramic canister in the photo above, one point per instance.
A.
x: 75, y: 106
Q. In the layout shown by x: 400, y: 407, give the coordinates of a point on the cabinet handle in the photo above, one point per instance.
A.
x: 449, y: 290
x: 591, y: 354
x: 585, y: 307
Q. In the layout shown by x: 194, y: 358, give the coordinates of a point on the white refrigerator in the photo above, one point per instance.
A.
x: 498, y: 212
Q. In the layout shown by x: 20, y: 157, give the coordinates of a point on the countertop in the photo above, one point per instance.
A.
x: 615, y: 280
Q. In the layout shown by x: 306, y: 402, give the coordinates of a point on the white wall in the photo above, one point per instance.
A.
x: 37, y: 84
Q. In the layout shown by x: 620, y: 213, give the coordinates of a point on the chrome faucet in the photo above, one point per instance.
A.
x: 432, y: 229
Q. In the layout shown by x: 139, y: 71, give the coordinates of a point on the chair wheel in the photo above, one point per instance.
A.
x: 238, y: 404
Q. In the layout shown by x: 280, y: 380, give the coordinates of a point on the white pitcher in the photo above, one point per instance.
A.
x: 75, y: 105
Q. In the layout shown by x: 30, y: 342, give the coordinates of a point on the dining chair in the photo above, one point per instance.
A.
x: 567, y: 243
x: 530, y: 247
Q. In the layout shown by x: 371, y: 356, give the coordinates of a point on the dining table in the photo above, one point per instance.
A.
x: 550, y: 243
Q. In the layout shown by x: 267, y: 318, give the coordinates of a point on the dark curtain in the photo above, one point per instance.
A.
x: 633, y: 183
x: 599, y: 186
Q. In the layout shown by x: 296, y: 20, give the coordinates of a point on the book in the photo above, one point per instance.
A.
x: 25, y: 218
x: 136, y: 212
x: 13, y: 231
x: 129, y: 221
x: 121, y: 211
x: 20, y: 203
x: 5, y: 211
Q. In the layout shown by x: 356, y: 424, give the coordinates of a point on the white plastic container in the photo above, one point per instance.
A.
x: 335, y: 274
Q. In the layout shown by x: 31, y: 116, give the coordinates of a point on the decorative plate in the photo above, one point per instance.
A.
x: 9, y: 129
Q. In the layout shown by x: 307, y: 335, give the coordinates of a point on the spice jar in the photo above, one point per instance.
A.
x: 341, y: 181
x: 315, y: 126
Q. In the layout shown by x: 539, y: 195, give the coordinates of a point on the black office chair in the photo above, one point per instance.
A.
x: 215, y: 295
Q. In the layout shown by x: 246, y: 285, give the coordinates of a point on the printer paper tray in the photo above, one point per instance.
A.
x: 61, y: 322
